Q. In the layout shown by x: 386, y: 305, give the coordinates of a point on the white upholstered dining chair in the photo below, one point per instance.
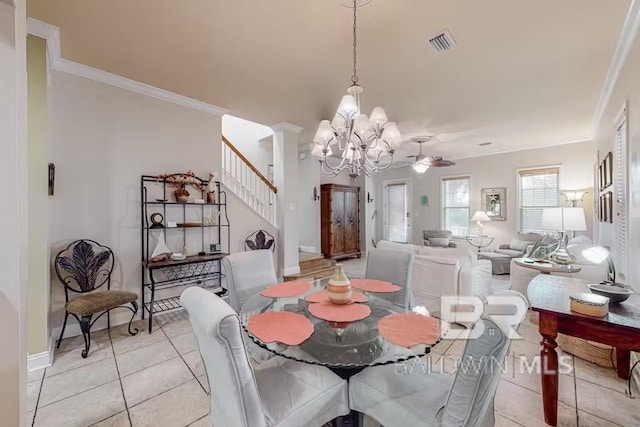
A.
x: 392, y: 266
x: 399, y: 395
x: 280, y: 392
x: 246, y: 274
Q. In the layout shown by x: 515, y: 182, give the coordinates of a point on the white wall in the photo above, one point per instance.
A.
x: 14, y: 214
x: 487, y: 172
x: 255, y: 141
x: 626, y: 89
x: 308, y: 209
x: 102, y: 139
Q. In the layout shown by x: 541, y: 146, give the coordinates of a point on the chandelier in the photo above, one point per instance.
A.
x: 367, y: 143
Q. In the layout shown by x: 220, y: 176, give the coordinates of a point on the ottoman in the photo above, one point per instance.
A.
x: 500, y: 263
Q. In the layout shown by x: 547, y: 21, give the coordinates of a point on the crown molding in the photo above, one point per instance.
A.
x: 625, y: 42
x: 57, y: 62
x: 285, y: 126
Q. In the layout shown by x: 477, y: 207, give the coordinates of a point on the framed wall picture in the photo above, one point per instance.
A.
x: 601, y: 208
x: 609, y: 206
x: 608, y: 170
x: 601, y: 176
x: 494, y: 203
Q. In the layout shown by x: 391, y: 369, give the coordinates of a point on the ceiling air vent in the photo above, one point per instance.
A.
x: 442, y: 42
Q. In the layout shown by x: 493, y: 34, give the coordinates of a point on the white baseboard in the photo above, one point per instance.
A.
x: 41, y: 360
x: 73, y: 328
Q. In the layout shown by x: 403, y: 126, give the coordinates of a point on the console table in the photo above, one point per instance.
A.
x: 549, y: 296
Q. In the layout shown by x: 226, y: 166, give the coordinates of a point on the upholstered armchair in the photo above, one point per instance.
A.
x: 431, y: 278
x: 83, y: 267
x: 438, y: 238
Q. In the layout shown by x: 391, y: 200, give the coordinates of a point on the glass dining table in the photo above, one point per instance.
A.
x: 345, y: 348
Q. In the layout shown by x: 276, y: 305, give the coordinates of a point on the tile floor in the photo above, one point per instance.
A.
x: 158, y: 379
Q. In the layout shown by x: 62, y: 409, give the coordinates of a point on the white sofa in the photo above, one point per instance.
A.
x: 434, y: 272
x: 592, y: 272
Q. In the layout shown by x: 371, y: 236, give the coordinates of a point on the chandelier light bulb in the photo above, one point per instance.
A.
x: 324, y: 134
x: 378, y: 116
x: 317, y: 150
x: 361, y: 124
x: 348, y: 107
x: 420, y: 167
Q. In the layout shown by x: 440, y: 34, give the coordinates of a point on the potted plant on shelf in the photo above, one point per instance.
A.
x: 181, y: 181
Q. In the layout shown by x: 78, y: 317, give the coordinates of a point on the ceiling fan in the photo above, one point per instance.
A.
x: 424, y: 162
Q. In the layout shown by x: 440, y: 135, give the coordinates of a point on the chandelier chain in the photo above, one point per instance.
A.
x: 354, y: 78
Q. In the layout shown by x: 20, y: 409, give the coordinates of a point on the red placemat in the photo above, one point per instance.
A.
x: 285, y: 290
x: 339, y: 313
x: 373, y: 285
x: 323, y: 296
x: 280, y: 326
x: 409, y: 329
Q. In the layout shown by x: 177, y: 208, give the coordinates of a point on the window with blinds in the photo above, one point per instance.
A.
x: 620, y: 188
x: 539, y: 189
x: 397, y: 212
x: 455, y: 205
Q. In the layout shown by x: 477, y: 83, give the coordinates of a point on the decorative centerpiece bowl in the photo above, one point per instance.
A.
x: 616, y: 294
x: 339, y: 287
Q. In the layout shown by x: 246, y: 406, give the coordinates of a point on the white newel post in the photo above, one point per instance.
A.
x: 285, y: 174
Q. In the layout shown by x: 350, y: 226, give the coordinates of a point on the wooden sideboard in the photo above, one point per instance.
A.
x: 340, y: 221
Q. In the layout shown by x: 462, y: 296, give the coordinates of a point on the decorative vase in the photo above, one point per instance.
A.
x: 339, y: 287
x: 211, y: 197
x: 182, y: 195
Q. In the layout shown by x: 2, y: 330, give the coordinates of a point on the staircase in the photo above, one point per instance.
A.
x: 246, y: 182
x: 312, y: 267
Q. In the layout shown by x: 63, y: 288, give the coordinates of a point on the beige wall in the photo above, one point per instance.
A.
x: 102, y: 139
x: 627, y: 89
x: 500, y: 170
x: 38, y: 332
x: 13, y: 215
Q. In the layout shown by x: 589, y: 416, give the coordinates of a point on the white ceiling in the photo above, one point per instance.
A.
x: 524, y: 74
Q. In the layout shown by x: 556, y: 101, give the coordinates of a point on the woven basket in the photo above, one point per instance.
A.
x: 595, y: 353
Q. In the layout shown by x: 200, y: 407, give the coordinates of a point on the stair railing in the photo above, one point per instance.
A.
x: 246, y: 182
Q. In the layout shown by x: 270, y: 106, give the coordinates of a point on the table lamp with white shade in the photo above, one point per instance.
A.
x: 563, y: 220
x: 479, y: 217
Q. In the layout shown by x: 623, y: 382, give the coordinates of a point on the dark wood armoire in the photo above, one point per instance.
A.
x: 340, y: 221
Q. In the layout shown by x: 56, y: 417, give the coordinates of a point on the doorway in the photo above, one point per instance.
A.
x: 397, y: 208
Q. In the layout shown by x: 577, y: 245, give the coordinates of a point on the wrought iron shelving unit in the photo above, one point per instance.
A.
x: 203, y: 269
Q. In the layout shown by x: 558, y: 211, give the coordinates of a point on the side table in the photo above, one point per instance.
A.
x: 479, y: 241
x: 549, y: 296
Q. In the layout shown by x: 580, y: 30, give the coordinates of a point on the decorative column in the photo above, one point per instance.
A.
x: 285, y: 174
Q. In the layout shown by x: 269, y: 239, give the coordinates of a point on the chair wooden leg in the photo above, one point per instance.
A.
x: 85, y: 327
x: 64, y: 325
